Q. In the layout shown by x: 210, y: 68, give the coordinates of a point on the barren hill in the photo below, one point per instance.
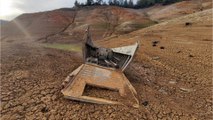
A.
x: 162, y: 13
x: 105, y: 20
x: 38, y: 25
x: 67, y: 25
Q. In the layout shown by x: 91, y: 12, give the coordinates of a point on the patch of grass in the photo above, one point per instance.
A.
x: 133, y: 26
x: 100, y: 26
x: 147, y: 24
x: 67, y: 47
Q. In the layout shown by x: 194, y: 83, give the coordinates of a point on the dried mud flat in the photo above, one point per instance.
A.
x: 173, y: 79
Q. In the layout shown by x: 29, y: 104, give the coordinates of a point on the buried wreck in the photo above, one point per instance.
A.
x: 102, y: 68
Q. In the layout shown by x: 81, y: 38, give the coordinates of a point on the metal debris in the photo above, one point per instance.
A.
x: 103, y: 67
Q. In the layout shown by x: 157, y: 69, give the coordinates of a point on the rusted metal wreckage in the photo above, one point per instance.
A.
x: 103, y: 67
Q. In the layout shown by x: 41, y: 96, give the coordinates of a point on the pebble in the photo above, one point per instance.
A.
x: 191, y: 56
x: 172, y: 82
x: 162, y: 47
x: 186, y: 90
x: 145, y: 103
x: 155, y: 58
x: 163, y: 91
x: 179, y: 51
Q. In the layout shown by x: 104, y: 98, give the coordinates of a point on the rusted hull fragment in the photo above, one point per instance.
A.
x: 103, y: 77
x: 103, y: 67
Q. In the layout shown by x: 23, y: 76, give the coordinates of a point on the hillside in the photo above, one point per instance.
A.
x: 3, y: 22
x: 105, y: 21
x: 162, y: 13
x: 66, y: 25
x: 37, y: 25
x: 178, y: 66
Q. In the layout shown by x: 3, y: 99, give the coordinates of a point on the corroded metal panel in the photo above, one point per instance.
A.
x: 103, y: 68
x: 100, y: 77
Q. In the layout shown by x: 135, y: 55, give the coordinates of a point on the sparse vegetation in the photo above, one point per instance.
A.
x: 100, y: 26
x: 68, y: 47
x: 147, y: 24
x: 128, y: 27
x: 126, y: 3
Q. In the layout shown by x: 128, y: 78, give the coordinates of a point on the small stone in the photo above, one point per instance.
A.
x: 163, y: 91
x: 179, y: 51
x: 172, y: 82
x: 185, y: 90
x: 145, y: 103
x: 156, y: 58
x: 154, y: 43
x: 162, y: 47
x: 188, y: 23
x: 191, y: 56
x: 44, y: 110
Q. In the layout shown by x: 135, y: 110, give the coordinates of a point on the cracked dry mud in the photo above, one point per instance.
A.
x: 31, y: 80
x: 174, y: 85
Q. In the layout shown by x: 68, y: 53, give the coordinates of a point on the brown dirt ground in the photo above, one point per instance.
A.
x: 172, y: 83
x: 178, y: 77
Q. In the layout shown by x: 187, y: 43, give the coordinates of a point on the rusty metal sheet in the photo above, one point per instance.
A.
x: 103, y: 77
x: 127, y: 50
